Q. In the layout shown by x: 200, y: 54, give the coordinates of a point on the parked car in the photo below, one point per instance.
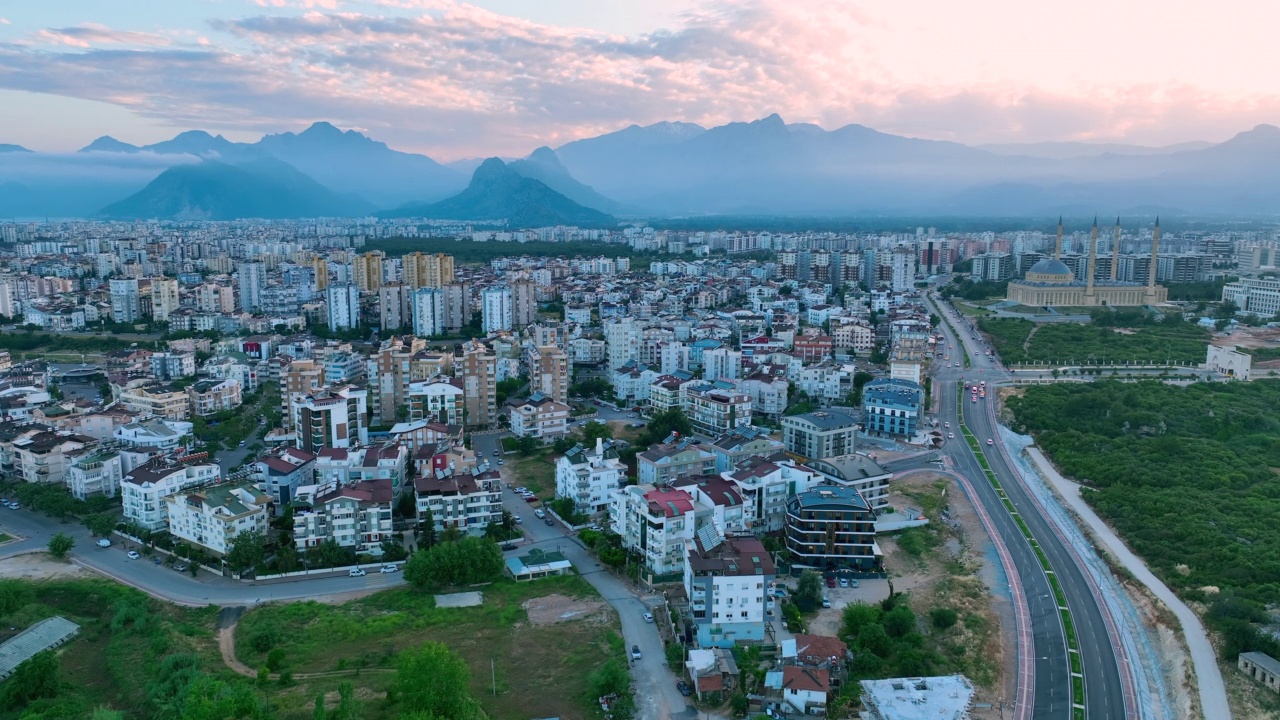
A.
x: 519, y: 519
x: 844, y: 582
x: 104, y: 543
x: 499, y: 461
x: 550, y: 522
x: 853, y: 582
x: 648, y: 617
x: 356, y: 572
x: 831, y: 581
x: 496, y: 453
x: 635, y: 652
x: 826, y: 602
x: 539, y: 513
x: 388, y: 569
x: 133, y: 555
x: 180, y: 567
x: 684, y: 688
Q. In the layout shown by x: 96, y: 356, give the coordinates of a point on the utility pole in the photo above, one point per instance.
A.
x: 493, y: 673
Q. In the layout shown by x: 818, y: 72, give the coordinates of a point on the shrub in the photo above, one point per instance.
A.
x: 943, y: 618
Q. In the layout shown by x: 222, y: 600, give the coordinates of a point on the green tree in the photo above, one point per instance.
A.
x: 104, y: 713
x: 595, y: 429
x: 60, y: 545
x: 427, y: 530
x: 856, y: 616
x: 433, y: 679
x: 899, y: 621
x: 348, y: 704
x: 943, y: 618
x: 875, y: 640
x: 611, y: 677
x: 101, y: 524
x: 466, y: 561
x: 528, y: 445
x: 34, y: 679
x: 407, y: 505
x: 317, y: 709
x: 809, y: 590
x: 14, y: 594
x: 393, y: 550
x: 247, y: 550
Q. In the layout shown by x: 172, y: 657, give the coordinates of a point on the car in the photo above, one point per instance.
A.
x: 975, y: 398
x: 844, y: 582
x: 519, y: 519
x: 521, y: 489
x: 241, y: 443
x: 632, y: 415
x: 388, y: 569
x: 831, y: 581
x: 550, y: 522
x: 826, y: 602
x: 853, y: 582
x: 946, y: 424
x: 539, y: 513
x: 635, y: 652
x: 180, y: 567
x: 684, y: 688
x: 496, y: 453
x: 990, y: 441
x: 14, y: 506
x: 951, y: 436
x: 104, y: 543
x: 529, y: 498
x: 133, y: 555
x: 499, y: 461
x: 648, y: 617
x: 356, y: 572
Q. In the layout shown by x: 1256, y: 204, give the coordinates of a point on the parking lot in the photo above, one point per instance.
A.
x: 827, y: 620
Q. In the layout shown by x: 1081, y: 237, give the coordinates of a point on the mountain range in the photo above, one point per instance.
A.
x: 764, y: 167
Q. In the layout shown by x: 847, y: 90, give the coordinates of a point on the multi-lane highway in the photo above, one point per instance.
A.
x: 1105, y: 695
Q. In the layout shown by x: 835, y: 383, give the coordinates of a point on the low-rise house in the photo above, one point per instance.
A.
x: 663, y: 464
x: 540, y: 417
x: 467, y: 500
x: 212, y: 517
x: 283, y: 471
x: 356, y: 516
x: 807, y: 690
x: 725, y: 579
x: 590, y: 475
x: 1261, y: 667
x: 145, y: 488
x: 740, y: 444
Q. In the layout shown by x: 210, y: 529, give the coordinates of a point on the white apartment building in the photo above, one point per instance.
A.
x: 460, y: 498
x: 658, y: 523
x: 164, y: 298
x: 495, y: 308
x: 714, y: 412
x: 94, y: 472
x: 153, y: 433
x: 356, y: 516
x: 212, y: 517
x: 590, y: 475
x: 765, y: 487
x: 343, y: 303
x: 726, y: 580
x: 209, y: 397
x: 43, y: 457
x: 126, y: 303
x: 253, y: 278
x: 721, y: 364
x: 145, y: 488
x: 540, y: 417
x: 820, y: 434
x: 331, y: 417
x: 439, y: 399
x: 622, y: 338
x: 769, y: 390
x: 428, y: 312
x: 1257, y: 296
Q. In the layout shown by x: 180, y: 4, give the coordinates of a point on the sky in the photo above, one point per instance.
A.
x: 502, y: 77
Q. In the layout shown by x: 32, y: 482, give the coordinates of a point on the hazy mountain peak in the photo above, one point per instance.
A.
x: 544, y: 156
x: 324, y: 127
x: 4, y: 147
x: 106, y: 143
x: 491, y: 166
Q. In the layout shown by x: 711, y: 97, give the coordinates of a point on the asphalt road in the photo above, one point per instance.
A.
x: 1103, y: 686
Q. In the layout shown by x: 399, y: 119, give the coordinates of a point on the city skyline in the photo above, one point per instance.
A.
x: 502, y: 77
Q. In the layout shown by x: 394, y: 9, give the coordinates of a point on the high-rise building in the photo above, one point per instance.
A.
x: 524, y: 304
x: 125, y: 301
x: 298, y: 379
x: 395, y: 309
x: 6, y: 300
x: 904, y: 269
x: 331, y: 417
x: 366, y: 270
x: 457, y: 305
x: 478, y: 368
x: 344, y: 306
x: 549, y: 372
x: 623, y: 339
x: 215, y: 299
x: 390, y: 372
x: 428, y: 312
x: 253, y: 277
x: 164, y: 298
x: 722, y: 364
x: 495, y: 306
x: 320, y: 267
x: 432, y: 271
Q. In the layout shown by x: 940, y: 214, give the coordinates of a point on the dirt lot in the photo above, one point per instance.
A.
x: 38, y: 566
x: 559, y: 608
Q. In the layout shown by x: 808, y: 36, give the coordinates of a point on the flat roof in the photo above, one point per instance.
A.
x: 945, y: 697
x: 48, y: 633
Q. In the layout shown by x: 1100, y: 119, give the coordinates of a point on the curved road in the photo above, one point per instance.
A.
x: 1104, y: 689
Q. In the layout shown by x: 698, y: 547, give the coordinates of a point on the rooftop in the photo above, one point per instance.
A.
x: 829, y: 497
x: 733, y: 556
x: 945, y: 697
x: 825, y: 419
x: 48, y: 633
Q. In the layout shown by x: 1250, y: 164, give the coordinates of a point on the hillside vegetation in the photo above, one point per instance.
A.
x: 1189, y: 476
x: 1110, y: 337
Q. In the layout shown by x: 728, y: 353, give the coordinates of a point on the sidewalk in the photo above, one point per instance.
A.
x: 1213, y: 694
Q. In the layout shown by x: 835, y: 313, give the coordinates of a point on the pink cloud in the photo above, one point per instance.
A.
x: 455, y: 79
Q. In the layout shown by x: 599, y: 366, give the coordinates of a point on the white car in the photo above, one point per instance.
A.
x: 648, y: 617
x: 356, y: 572
x: 951, y: 436
x: 388, y: 569
x: 539, y: 514
x: 133, y: 555
x: 519, y: 519
x: 104, y: 543
x: 990, y: 441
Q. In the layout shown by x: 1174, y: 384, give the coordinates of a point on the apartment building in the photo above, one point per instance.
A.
x: 541, y: 417
x: 460, y: 498
x: 298, y: 379
x: 210, y: 397
x: 831, y: 528
x: 422, y: 270
x: 589, y: 476
x: 43, y: 457
x: 395, y: 306
x: 714, y: 412
x: 1256, y: 296
x: 153, y: 433
x: 212, y: 517
x: 330, y: 417
x: 550, y: 372
x: 663, y: 464
x: 820, y: 434
x: 157, y: 399
x: 891, y: 406
x: 383, y: 461
x: 282, y: 471
x: 439, y: 399
x: 765, y: 485
x: 390, y: 373
x: 428, y: 309
x: 144, y: 489
x: 726, y: 580
x: 93, y: 471
x: 478, y: 368
x: 658, y: 523
x: 356, y: 516
x: 164, y: 298
x: 859, y: 472
x: 742, y: 443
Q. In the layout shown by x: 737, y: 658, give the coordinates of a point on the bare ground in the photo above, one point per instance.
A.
x: 560, y: 608
x: 38, y: 566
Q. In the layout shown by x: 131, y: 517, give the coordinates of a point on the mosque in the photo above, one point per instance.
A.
x: 1051, y: 283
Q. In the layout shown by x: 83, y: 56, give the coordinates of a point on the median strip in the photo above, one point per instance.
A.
x: 1073, y: 645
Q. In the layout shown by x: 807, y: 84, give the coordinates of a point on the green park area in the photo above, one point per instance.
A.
x: 1111, y: 338
x: 1189, y: 476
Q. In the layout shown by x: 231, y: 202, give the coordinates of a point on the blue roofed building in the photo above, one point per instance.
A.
x: 892, y: 407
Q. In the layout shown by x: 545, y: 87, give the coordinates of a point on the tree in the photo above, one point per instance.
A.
x: 899, y: 621
x: 943, y: 618
x: 317, y: 710
x: 393, y: 550
x: 348, y: 705
x: 34, y: 679
x: 809, y: 590
x: 462, y: 562
x: 60, y: 545
x: 528, y: 445
x: 856, y: 616
x: 247, y: 550
x: 407, y: 505
x: 434, y: 679
x: 101, y: 524
x: 427, y: 530
x: 611, y: 677
x: 875, y: 640
x: 596, y: 429
x: 13, y: 595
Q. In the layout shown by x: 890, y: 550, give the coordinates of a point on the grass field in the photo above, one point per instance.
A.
x: 537, y: 473
x: 1022, y: 341
x: 540, y: 670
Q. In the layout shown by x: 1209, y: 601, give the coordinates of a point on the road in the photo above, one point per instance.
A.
x: 1102, y: 675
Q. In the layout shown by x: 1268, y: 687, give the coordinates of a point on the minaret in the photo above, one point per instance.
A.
x: 1057, y: 252
x: 1092, y: 268
x: 1155, y: 257
x: 1115, y: 251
